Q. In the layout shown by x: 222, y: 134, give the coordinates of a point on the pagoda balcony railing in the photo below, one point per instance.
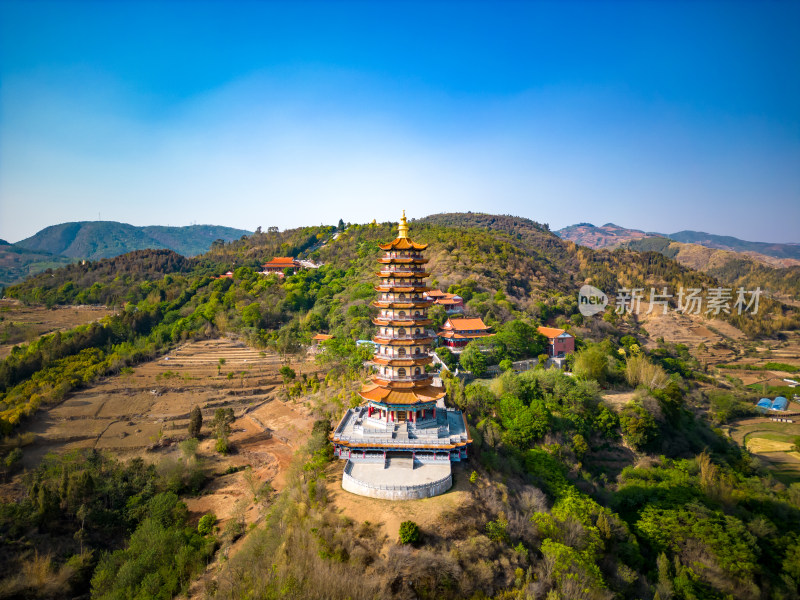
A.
x: 415, y: 336
x: 407, y: 378
x: 429, y: 459
x: 379, y: 459
x: 400, y: 443
x: 395, y: 282
x: 403, y: 318
x: 401, y: 270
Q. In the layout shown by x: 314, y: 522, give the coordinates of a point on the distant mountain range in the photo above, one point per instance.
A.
x: 17, y: 263
x: 612, y: 236
x: 92, y: 240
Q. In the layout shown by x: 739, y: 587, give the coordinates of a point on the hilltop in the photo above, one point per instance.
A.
x: 105, y: 239
x: 612, y: 236
x: 606, y: 236
x: 59, y: 245
x: 726, y: 242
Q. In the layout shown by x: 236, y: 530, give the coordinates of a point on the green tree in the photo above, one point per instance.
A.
x: 223, y: 417
x: 520, y: 340
x: 251, y: 315
x: 195, y: 422
x: 447, y: 357
x: 523, y: 424
x: 638, y: 426
x: 592, y: 363
x: 206, y: 524
x: 409, y: 532
x: 473, y: 360
x: 579, y: 446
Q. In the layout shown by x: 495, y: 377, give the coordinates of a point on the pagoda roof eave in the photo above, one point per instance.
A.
x: 402, y: 243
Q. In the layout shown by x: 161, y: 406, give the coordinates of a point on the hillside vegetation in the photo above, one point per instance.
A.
x: 727, y: 242
x: 18, y: 263
x: 105, y: 239
x: 571, y: 497
x: 732, y: 268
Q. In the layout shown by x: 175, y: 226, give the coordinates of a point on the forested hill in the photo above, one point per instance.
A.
x: 504, y: 267
x: 612, y: 236
x: 570, y: 498
x: 105, y: 239
x: 18, y: 263
x: 727, y: 242
x: 734, y: 269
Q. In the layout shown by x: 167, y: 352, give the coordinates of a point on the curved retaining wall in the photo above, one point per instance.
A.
x: 396, y: 492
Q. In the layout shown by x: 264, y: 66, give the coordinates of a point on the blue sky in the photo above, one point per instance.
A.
x: 659, y: 116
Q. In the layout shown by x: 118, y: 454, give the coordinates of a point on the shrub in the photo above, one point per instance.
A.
x: 287, y: 373
x: 640, y: 371
x: 409, y: 532
x: 222, y: 446
x: 592, y: 363
x: 206, y: 524
x: 497, y: 530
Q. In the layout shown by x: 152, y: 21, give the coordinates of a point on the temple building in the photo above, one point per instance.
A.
x: 399, y: 444
x: 279, y: 264
x: 452, y: 303
x: 455, y: 334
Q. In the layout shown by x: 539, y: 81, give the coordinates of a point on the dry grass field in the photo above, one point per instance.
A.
x: 692, y: 331
x: 758, y: 444
x: 145, y: 413
x: 20, y: 323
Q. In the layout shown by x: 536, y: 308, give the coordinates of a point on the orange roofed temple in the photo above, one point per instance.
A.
x: 400, y: 443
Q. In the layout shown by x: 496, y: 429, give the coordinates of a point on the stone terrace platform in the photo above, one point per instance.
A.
x: 397, y: 479
x: 447, y: 431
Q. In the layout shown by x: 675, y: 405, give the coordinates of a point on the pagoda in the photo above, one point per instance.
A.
x: 399, y: 444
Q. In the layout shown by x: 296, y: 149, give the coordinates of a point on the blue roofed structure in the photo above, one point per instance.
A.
x: 764, y: 404
x: 780, y: 403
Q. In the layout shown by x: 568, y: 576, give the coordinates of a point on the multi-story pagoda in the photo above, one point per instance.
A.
x: 400, y: 443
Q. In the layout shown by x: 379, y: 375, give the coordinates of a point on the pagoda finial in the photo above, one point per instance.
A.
x: 402, y: 229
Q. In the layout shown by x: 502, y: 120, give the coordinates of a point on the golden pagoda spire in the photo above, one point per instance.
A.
x: 402, y: 229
